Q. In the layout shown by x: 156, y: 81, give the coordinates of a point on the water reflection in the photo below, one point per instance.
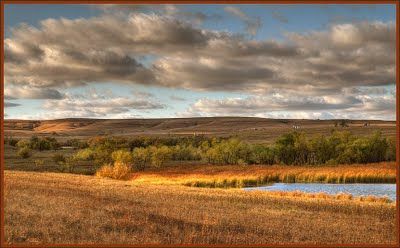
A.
x: 380, y: 190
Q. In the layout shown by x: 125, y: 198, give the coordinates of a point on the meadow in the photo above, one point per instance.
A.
x: 256, y: 175
x: 65, y: 208
x: 66, y: 183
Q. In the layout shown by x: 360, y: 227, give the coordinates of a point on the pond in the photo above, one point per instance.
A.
x: 379, y: 190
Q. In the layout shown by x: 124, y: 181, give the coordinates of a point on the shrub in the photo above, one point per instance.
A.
x: 85, y: 155
x: 67, y: 164
x: 141, y: 158
x: 40, y: 144
x: 24, y: 152
x: 118, y: 171
x: 284, y: 148
x: 185, y: 153
x: 159, y: 155
x: 262, y: 155
x: 227, y: 152
x: 11, y: 141
x: 23, y: 143
x: 122, y: 156
x: 59, y: 158
x: 121, y: 171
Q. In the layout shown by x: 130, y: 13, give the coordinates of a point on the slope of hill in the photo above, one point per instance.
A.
x: 250, y: 128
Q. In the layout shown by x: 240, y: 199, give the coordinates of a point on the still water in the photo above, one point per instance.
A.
x: 358, y: 189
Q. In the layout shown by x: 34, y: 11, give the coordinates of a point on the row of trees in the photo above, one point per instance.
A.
x: 36, y: 143
x: 294, y: 148
x: 45, y: 143
x: 290, y: 149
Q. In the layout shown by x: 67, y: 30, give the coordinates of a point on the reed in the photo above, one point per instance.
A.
x: 247, y: 176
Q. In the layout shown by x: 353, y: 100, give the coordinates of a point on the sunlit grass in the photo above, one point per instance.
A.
x: 247, y: 176
x: 70, y: 209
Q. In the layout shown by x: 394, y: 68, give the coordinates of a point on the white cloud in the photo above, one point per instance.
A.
x: 96, y: 104
x: 297, y: 106
x: 334, y: 69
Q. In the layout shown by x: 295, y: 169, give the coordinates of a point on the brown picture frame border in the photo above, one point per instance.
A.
x: 344, y: 2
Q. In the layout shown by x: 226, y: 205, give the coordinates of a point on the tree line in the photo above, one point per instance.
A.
x: 295, y: 148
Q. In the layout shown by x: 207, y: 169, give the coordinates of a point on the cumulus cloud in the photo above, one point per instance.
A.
x: 195, y: 17
x: 99, y: 104
x: 108, y: 48
x: 277, y: 105
x: 347, y: 59
x: 276, y: 102
x: 76, y: 52
x: 253, y: 24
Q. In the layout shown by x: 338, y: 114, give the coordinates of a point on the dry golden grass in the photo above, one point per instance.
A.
x: 66, y: 208
x: 240, y: 176
x: 118, y: 170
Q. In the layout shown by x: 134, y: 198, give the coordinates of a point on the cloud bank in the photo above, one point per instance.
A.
x: 318, y: 70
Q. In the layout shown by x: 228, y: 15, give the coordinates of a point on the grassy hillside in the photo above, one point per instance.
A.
x: 65, y: 208
x: 258, y: 130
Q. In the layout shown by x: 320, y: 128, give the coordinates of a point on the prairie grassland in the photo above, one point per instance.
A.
x: 67, y: 208
x: 242, y: 176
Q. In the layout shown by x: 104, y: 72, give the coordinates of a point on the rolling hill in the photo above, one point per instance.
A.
x: 250, y: 128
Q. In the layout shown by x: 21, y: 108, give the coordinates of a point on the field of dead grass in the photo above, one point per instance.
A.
x: 241, y: 176
x: 65, y: 208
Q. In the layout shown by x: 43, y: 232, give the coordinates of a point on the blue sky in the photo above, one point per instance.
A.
x: 233, y: 60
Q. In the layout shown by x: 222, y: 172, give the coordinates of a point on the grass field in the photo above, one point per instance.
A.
x: 66, y: 208
x: 186, y: 202
x: 241, y: 176
x: 14, y: 162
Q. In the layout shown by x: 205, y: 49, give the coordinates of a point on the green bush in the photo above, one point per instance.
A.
x: 160, y: 155
x: 68, y: 165
x: 24, y: 152
x: 227, y: 152
x: 122, y: 156
x: 46, y: 143
x: 23, y: 143
x: 141, y: 158
x: 185, y: 153
x: 262, y: 155
x: 86, y: 154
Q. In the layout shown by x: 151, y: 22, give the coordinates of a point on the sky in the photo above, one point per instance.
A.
x: 161, y: 61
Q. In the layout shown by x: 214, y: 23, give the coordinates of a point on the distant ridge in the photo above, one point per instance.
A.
x: 83, y: 127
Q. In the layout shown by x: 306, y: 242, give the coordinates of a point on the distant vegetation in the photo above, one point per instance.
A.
x: 295, y: 148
